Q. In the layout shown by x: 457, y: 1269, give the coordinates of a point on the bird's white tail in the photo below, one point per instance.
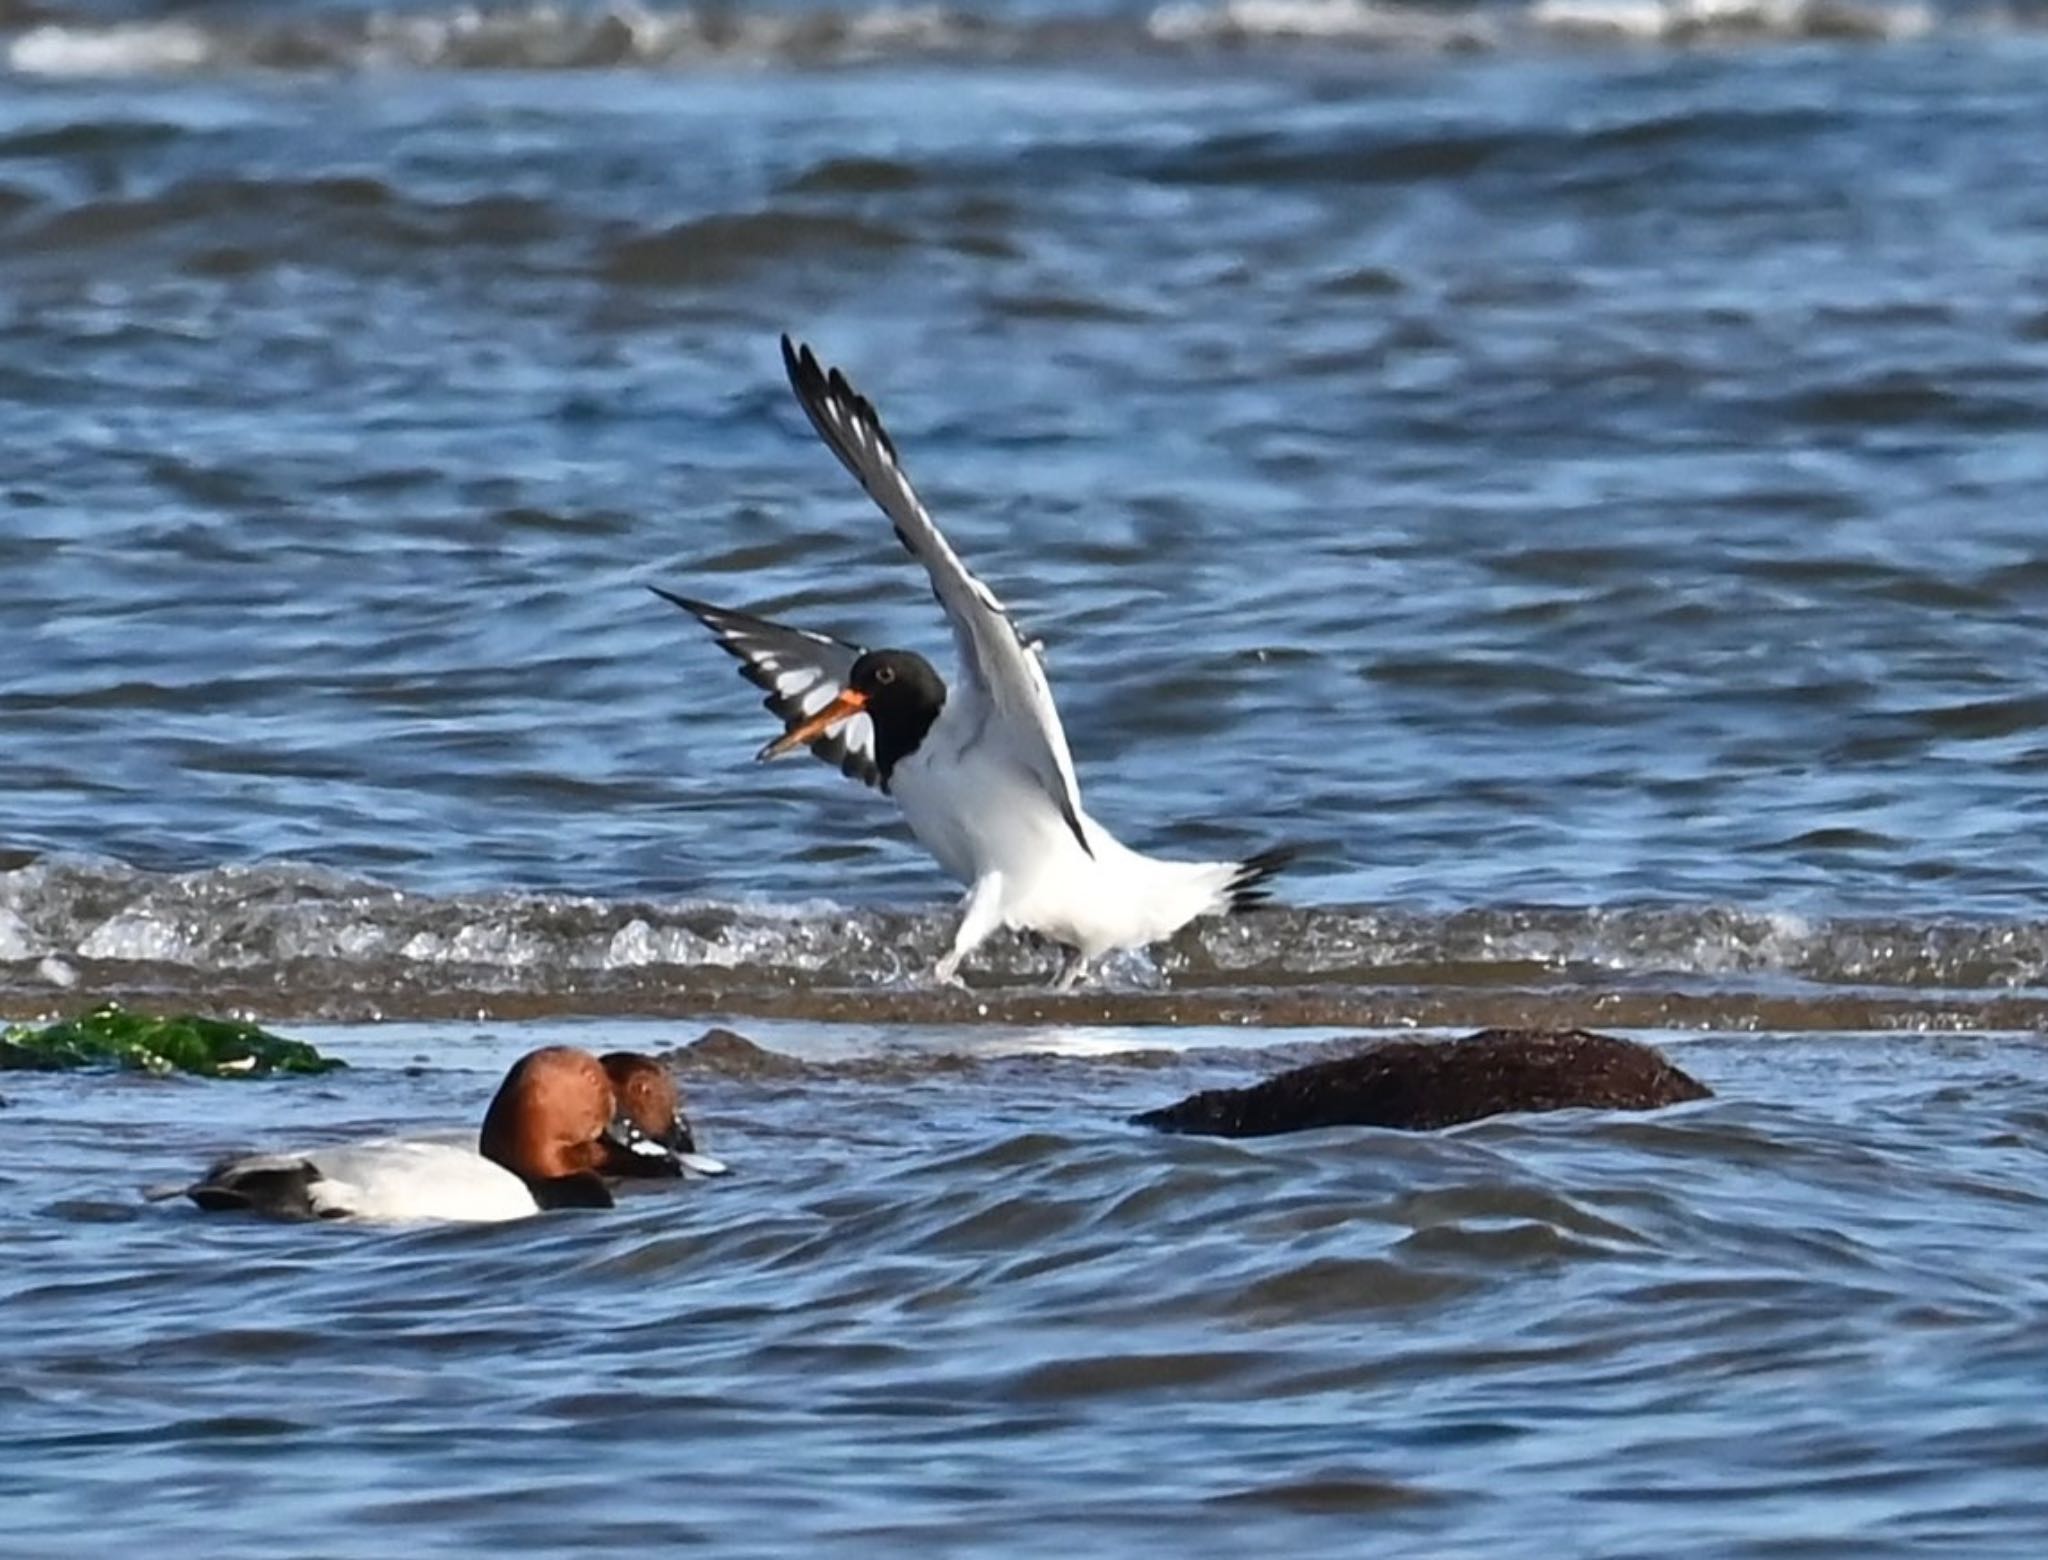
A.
x: 1174, y: 893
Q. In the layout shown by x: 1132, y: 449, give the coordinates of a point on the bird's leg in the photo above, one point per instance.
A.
x: 1072, y: 968
x: 980, y: 914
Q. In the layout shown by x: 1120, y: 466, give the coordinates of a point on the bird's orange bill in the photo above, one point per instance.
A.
x: 849, y: 704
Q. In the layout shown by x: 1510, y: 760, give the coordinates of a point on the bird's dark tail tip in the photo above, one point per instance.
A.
x: 1252, y: 884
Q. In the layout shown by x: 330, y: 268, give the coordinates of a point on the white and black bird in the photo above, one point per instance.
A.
x: 980, y: 767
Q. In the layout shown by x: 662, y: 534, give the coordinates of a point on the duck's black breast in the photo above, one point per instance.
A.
x: 584, y: 1189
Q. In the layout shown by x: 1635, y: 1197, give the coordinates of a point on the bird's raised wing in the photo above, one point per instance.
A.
x: 801, y: 672
x: 1000, y: 667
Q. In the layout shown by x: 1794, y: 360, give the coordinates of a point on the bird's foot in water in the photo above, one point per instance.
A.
x: 1073, y: 969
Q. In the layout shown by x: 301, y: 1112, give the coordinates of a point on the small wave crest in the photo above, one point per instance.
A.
x: 624, y: 35
x: 505, y: 37
x: 1703, y: 21
x: 1361, y: 23
x: 297, y: 938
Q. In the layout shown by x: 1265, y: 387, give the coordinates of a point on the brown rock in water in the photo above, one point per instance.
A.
x: 725, y: 1053
x: 1420, y: 1085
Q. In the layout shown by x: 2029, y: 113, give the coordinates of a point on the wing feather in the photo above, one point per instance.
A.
x: 1002, y: 669
x: 801, y: 673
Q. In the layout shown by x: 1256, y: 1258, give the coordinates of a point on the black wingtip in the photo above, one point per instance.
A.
x: 1251, y: 887
x: 827, y: 396
x: 696, y: 609
x: 807, y: 376
x: 801, y: 364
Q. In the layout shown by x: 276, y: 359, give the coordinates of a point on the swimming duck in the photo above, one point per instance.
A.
x: 648, y: 1097
x: 556, y: 1127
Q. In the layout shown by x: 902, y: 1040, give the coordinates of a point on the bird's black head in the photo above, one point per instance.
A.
x: 898, y: 679
x: 902, y: 695
x: 896, y: 689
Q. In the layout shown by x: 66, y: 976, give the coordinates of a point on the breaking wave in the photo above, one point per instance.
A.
x: 619, y: 34
x: 294, y: 939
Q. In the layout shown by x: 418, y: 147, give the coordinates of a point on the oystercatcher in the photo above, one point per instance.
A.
x: 980, y: 766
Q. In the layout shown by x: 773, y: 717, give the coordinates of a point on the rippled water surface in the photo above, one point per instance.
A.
x: 948, y: 1302
x: 1577, y: 467
x: 1562, y: 476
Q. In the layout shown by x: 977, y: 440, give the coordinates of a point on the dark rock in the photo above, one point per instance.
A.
x: 724, y: 1053
x: 1419, y: 1085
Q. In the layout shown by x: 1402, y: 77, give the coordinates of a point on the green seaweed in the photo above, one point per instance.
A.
x: 111, y: 1036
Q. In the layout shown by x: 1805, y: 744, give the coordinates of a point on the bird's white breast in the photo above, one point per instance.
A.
x: 975, y: 808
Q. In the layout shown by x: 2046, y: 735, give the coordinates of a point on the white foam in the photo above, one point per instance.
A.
x: 1645, y: 19
x: 15, y: 939
x: 333, y: 932
x: 1356, y: 21
x: 637, y: 945
x: 914, y: 26
x: 626, y: 33
x: 139, y: 936
x: 499, y: 947
x: 1659, y: 21
x: 125, y: 49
